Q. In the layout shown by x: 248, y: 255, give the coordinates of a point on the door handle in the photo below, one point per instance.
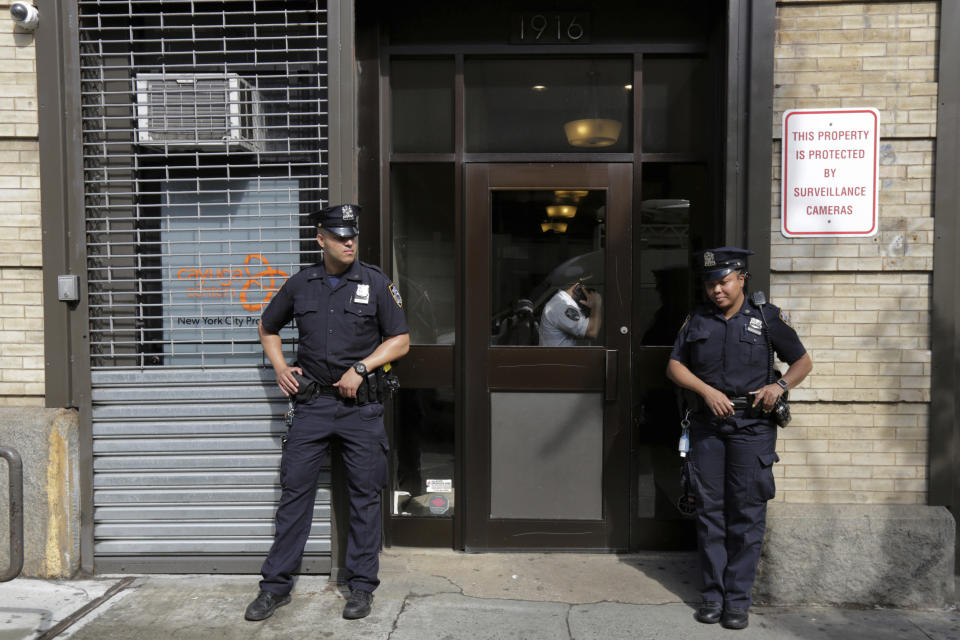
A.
x: 610, y: 377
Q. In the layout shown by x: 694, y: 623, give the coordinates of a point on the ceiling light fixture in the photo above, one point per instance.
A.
x: 553, y: 225
x: 570, y: 196
x: 561, y: 211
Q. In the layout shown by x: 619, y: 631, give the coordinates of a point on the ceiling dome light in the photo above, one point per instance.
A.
x: 554, y: 225
x: 593, y: 132
x: 561, y: 211
x: 570, y: 196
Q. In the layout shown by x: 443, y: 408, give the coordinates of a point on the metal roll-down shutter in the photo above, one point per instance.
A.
x: 204, y: 144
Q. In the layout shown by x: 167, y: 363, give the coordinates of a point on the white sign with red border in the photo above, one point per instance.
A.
x: 831, y: 161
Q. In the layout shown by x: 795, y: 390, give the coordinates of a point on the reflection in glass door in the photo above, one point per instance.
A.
x: 547, y: 264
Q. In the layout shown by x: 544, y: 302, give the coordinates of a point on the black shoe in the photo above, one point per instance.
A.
x: 264, y: 605
x: 709, y: 613
x: 735, y: 619
x: 358, y: 604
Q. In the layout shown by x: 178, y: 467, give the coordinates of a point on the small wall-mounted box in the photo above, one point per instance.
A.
x: 68, y: 288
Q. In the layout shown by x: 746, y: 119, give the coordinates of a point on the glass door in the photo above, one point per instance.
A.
x: 547, y: 271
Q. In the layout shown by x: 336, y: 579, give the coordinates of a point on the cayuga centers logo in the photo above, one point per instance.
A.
x: 253, y: 285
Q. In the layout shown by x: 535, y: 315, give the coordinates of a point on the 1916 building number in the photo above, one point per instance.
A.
x: 550, y: 28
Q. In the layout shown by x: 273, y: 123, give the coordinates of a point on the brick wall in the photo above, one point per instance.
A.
x: 861, y: 305
x: 21, y: 308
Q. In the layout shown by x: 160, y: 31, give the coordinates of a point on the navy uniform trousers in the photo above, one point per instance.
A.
x: 733, y: 480
x: 363, y: 446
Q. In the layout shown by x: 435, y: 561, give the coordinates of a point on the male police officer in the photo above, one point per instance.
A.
x: 721, y: 354
x: 350, y: 322
x: 563, y: 323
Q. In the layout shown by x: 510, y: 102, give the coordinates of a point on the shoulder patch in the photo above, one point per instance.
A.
x: 395, y: 292
x: 684, y: 325
x: 572, y: 313
x: 785, y: 319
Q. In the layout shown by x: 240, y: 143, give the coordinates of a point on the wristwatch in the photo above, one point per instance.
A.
x: 781, y: 382
x: 360, y: 368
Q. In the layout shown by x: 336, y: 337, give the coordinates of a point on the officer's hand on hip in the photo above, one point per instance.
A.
x: 718, y: 402
x: 286, y: 381
x: 348, y: 384
x: 767, y: 396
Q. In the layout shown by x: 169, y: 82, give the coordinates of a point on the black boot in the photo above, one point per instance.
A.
x: 709, y: 613
x: 358, y: 604
x: 264, y: 605
x: 735, y: 618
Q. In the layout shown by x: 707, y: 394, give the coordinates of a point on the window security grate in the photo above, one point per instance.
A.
x: 204, y: 139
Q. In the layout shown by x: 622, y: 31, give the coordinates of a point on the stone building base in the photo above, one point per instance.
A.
x: 46, y: 440
x: 841, y: 554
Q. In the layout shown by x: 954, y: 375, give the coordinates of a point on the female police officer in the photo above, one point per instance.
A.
x: 721, y: 355
x: 350, y: 322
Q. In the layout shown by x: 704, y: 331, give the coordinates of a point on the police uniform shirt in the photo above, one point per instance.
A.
x: 338, y: 324
x: 731, y: 355
x: 562, y: 322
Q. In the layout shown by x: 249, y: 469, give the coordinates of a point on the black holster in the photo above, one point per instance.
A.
x: 306, y: 388
x: 376, y: 387
x: 368, y: 391
x: 781, y: 411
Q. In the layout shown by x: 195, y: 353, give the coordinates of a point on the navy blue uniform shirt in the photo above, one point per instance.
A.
x: 338, y: 324
x: 731, y: 355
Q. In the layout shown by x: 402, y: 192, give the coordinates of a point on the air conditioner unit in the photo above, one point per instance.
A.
x: 209, y: 111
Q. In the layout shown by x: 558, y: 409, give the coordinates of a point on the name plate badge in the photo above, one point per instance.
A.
x: 362, y: 296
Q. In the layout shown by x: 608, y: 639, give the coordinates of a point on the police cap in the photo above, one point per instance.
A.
x: 340, y: 219
x: 714, y: 264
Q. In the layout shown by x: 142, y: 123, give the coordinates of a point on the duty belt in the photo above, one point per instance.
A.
x: 310, y: 391
x: 320, y: 390
x: 741, y: 402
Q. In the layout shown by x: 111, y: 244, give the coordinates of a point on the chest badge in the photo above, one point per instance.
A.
x: 362, y: 296
x: 755, y: 326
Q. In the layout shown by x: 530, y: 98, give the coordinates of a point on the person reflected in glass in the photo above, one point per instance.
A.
x: 672, y: 288
x: 572, y: 316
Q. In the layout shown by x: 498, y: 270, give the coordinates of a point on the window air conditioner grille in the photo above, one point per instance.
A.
x: 198, y: 111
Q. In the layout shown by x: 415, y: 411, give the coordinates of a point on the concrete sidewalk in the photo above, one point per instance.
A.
x: 428, y: 594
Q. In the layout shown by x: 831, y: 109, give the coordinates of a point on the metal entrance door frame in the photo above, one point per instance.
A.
x: 600, y: 370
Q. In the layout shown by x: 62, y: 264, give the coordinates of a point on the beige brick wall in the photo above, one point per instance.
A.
x: 18, y: 81
x: 854, y: 452
x: 861, y: 305
x: 21, y: 306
